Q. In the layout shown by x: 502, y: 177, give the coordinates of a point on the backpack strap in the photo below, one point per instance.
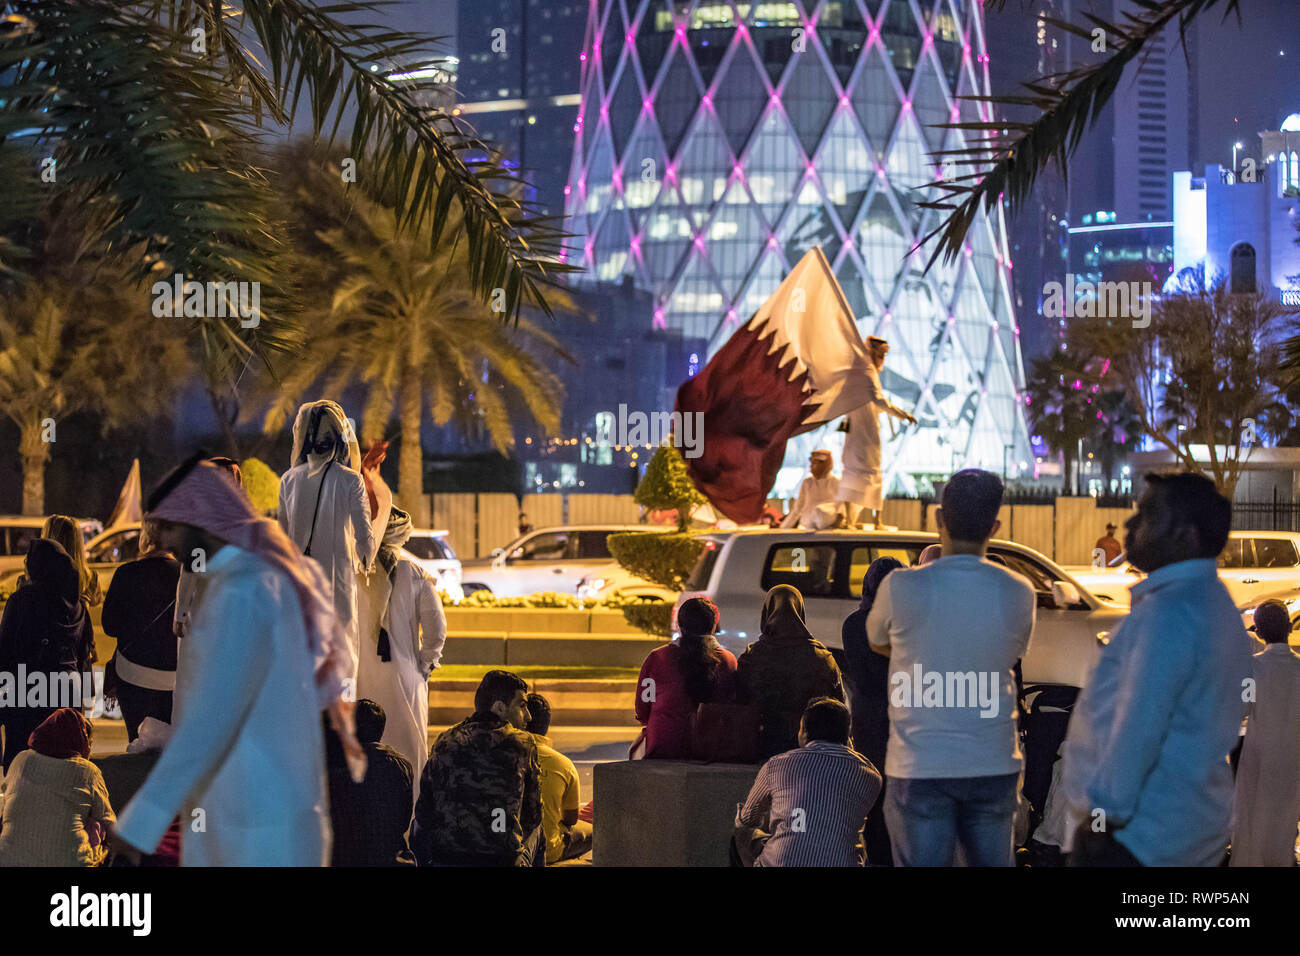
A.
x: 316, y: 511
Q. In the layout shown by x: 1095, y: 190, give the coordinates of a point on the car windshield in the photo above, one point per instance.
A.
x: 116, y: 548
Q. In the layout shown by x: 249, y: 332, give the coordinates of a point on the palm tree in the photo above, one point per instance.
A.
x: 71, y: 337
x: 155, y: 109
x: 408, y: 326
x: 1058, y: 408
x: 1009, y: 157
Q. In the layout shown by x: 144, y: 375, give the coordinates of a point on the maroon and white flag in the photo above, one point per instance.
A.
x: 799, y: 363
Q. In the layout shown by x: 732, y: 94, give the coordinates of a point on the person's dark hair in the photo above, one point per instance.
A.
x: 497, y: 686
x: 174, y: 478
x: 697, y: 662
x: 371, y: 721
x: 971, y: 500
x: 539, y: 715
x: 1273, y: 622
x: 826, y: 718
x: 1192, y: 499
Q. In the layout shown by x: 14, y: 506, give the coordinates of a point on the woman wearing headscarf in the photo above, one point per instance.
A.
x: 46, y: 628
x: 676, y: 678
x: 403, y: 630
x: 56, y: 807
x: 783, y: 670
x: 138, y: 613
x: 867, y: 677
x: 334, y: 505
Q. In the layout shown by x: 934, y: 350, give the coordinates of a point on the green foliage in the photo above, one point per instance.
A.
x: 261, y: 483
x: 645, y: 613
x: 666, y: 485
x: 665, y: 559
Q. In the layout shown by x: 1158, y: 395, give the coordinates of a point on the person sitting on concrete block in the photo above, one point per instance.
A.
x: 807, y: 806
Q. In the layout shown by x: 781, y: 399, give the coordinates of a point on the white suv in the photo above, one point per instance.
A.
x: 435, y: 555
x: 1252, y: 565
x: 737, y: 568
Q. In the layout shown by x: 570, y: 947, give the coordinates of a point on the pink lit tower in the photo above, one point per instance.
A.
x: 716, y: 142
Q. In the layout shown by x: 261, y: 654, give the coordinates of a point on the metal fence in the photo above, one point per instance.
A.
x: 1266, y: 516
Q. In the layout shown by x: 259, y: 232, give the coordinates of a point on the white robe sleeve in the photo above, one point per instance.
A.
x: 797, y: 511
x: 367, y: 534
x: 282, y: 514
x: 880, y: 399
x: 230, y: 655
x: 432, y: 622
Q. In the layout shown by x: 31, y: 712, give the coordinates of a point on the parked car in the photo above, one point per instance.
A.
x: 557, y: 558
x: 1253, y: 564
x: 436, y: 556
x: 737, y: 568
x: 18, y: 531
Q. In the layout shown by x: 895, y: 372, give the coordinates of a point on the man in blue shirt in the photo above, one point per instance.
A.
x: 1146, y: 772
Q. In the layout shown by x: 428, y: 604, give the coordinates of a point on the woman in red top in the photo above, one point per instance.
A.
x: 678, y: 677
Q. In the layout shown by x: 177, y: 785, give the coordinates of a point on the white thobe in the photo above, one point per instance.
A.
x: 863, y: 481
x: 812, y: 492
x: 245, y: 766
x: 409, y: 609
x: 346, y: 540
x: 1266, y: 799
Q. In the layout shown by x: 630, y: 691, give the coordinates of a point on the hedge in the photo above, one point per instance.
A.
x: 665, y: 559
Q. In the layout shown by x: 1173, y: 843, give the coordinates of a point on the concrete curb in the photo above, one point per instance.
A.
x: 604, y: 703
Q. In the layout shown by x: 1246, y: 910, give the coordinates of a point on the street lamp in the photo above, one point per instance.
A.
x: 1235, y: 147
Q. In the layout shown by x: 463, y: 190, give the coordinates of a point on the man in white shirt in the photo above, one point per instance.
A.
x: 1145, y: 767
x: 245, y: 766
x: 1266, y: 803
x: 818, y: 488
x: 953, y: 631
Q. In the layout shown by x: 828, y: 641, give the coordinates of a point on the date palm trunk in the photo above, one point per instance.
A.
x: 410, y: 464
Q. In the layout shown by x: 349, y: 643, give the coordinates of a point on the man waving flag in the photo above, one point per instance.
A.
x: 797, y: 364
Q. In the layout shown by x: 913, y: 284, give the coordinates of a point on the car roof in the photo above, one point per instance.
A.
x: 426, y: 533
x: 602, y: 527
x: 35, y: 521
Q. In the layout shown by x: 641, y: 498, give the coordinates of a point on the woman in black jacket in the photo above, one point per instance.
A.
x: 138, y: 613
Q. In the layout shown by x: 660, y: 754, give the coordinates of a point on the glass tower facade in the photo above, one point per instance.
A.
x: 716, y: 142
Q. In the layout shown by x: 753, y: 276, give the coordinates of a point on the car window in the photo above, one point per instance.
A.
x: 863, y: 556
x: 703, y: 570
x: 447, y: 551
x: 1236, y: 554
x: 593, y: 545
x: 20, y: 539
x: 424, y: 547
x: 1274, y: 553
x: 550, y: 546
x: 1038, y: 576
x: 809, y: 568
x: 116, y: 548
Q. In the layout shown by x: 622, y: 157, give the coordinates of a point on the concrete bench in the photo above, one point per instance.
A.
x: 667, y: 812
x: 474, y: 647
x: 578, y: 650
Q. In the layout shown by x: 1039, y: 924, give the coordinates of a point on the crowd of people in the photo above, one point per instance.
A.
x: 272, y: 676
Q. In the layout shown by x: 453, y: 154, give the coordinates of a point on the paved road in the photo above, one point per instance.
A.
x: 585, y: 746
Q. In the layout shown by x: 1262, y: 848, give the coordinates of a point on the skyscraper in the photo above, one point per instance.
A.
x: 717, y: 142
x: 519, y: 71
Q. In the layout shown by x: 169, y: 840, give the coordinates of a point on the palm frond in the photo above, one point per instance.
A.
x: 1009, y: 157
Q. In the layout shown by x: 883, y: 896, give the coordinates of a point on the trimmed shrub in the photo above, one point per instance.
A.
x: 665, y: 559
x: 666, y: 485
x: 261, y: 484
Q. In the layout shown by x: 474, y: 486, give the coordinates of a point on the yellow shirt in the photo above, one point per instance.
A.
x: 561, y: 791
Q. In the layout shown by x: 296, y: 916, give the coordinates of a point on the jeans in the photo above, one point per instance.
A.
x: 929, y: 818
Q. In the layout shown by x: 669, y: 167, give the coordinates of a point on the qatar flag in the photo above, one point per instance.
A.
x: 799, y: 363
